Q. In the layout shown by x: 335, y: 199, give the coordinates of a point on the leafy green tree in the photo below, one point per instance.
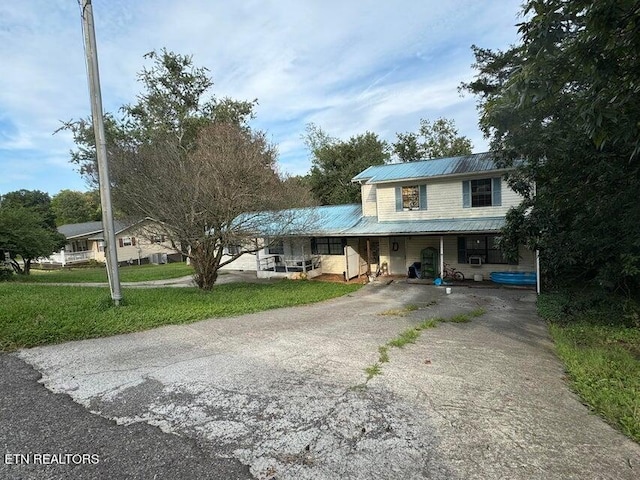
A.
x: 191, y: 162
x: 433, y: 140
x: 70, y: 206
x: 564, y: 107
x: 27, y: 228
x: 173, y: 103
x: 334, y: 163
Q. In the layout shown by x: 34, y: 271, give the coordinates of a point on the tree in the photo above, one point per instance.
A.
x: 193, y: 164
x: 433, y: 140
x: 173, y: 102
x: 334, y: 163
x: 27, y: 229
x: 70, y: 206
x: 563, y: 106
x: 225, y: 192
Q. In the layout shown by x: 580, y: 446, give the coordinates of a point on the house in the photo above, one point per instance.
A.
x: 438, y: 212
x: 136, y: 243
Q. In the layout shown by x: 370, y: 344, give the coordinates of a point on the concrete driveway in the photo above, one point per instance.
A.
x: 283, y: 391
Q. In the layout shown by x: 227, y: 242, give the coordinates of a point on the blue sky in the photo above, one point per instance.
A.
x: 347, y: 66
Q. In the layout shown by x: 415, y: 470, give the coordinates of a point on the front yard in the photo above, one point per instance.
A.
x: 33, y: 315
x: 133, y: 273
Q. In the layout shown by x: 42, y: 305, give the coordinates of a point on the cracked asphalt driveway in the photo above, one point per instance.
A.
x: 284, y: 392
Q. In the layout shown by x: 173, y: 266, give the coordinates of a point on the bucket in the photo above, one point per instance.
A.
x: 477, y: 277
x: 448, y: 290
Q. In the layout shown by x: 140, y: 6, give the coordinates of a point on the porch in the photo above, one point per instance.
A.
x: 64, y: 258
x: 289, y: 266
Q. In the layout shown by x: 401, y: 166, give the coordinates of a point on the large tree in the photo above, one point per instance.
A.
x: 27, y: 228
x: 564, y: 107
x: 71, y: 206
x: 334, y: 163
x: 192, y: 163
x: 432, y: 140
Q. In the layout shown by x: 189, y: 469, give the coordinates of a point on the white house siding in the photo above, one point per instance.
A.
x: 369, y: 204
x: 444, y: 200
x: 142, y: 249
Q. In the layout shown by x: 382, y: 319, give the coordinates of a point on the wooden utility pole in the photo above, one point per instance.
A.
x: 110, y: 247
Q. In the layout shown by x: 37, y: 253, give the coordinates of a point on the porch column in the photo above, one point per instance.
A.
x: 441, y: 256
x: 257, y: 257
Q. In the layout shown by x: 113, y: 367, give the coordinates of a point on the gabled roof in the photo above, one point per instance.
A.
x: 74, y: 230
x: 91, y: 229
x: 474, y: 163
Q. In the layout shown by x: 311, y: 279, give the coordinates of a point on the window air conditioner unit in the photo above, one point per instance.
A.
x: 475, y: 260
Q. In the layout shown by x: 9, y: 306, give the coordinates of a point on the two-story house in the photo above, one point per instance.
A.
x: 434, y: 212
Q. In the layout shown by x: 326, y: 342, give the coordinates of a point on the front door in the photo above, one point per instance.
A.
x: 397, y: 256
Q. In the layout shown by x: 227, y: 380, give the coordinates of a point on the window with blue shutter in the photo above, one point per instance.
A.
x: 466, y: 194
x: 423, y: 197
x: 484, y: 192
x: 496, y: 192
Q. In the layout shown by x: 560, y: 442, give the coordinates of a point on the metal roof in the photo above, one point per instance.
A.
x: 370, y: 226
x: 474, y: 163
x: 347, y: 221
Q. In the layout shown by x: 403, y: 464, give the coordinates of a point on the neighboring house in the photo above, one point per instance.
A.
x: 434, y: 212
x: 136, y: 243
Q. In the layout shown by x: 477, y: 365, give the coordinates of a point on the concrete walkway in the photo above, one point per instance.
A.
x: 283, y: 391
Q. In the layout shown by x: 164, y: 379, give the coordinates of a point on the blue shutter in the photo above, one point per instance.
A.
x: 466, y: 194
x: 423, y: 197
x: 398, y: 199
x: 496, y: 192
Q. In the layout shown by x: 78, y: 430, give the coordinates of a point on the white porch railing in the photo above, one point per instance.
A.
x: 290, y: 263
x: 64, y: 258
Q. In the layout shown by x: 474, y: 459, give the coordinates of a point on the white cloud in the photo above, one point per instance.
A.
x: 348, y: 66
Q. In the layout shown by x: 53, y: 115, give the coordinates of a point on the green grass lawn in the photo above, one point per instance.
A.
x: 600, y: 347
x: 33, y: 315
x: 133, y: 273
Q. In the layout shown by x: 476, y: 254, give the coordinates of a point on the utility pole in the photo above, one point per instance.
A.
x: 101, y: 150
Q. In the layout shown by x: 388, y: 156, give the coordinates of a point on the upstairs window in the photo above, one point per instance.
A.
x: 484, y: 192
x: 413, y: 197
x: 481, y: 193
x: 410, y: 198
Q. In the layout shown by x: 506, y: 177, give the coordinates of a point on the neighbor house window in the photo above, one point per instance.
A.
x: 413, y: 197
x: 482, y: 246
x: 127, y: 241
x: 328, y: 246
x: 157, y: 239
x: 484, y: 192
x: 233, y: 249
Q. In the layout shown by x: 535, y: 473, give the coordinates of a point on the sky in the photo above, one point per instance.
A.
x: 349, y: 66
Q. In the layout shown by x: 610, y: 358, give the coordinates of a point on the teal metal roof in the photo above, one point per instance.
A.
x: 475, y: 163
x: 370, y: 226
x: 347, y: 221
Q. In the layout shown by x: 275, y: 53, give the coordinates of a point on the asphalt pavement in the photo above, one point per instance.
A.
x: 284, y: 394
